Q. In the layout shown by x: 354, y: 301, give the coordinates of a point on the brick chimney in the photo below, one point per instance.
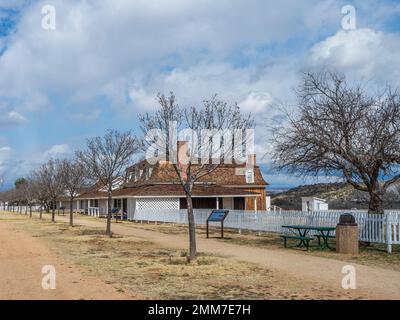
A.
x: 183, y: 157
x: 251, y: 159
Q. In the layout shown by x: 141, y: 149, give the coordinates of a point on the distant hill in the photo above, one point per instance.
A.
x: 338, y: 195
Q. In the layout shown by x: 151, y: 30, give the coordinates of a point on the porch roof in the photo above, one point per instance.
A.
x: 171, y: 190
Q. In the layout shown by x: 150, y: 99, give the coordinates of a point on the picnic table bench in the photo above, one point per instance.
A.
x: 304, y: 238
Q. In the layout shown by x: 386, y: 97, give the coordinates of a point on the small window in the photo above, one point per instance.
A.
x: 249, y: 176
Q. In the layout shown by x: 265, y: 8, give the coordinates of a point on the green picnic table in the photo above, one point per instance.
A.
x: 304, y: 238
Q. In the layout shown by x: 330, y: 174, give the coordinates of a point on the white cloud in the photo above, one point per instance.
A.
x: 12, y: 118
x: 361, y: 53
x: 142, y: 99
x: 256, y: 102
x: 56, y: 151
x: 349, y: 48
x: 251, y: 84
x: 99, y: 43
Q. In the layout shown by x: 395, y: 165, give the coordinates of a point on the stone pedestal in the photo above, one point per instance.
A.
x: 347, y: 239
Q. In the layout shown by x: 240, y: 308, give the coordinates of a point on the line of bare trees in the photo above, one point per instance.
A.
x: 104, y: 159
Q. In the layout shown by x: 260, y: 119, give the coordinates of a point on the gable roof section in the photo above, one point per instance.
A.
x: 224, y: 175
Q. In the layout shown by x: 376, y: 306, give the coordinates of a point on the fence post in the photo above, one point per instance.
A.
x: 240, y: 218
x: 388, y: 233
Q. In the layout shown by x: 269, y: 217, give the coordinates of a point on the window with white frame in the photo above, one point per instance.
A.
x: 249, y: 176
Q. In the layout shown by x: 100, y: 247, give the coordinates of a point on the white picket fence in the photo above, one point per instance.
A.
x: 377, y: 228
x: 22, y: 209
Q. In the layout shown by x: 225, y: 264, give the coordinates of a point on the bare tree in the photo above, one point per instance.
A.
x: 73, y: 179
x: 105, y: 158
x: 51, y: 181
x: 205, y: 153
x: 39, y: 188
x: 28, y: 193
x: 11, y: 197
x: 6, y: 198
x: 20, y: 186
x: 342, y: 130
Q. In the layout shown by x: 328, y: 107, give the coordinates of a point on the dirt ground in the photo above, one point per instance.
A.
x: 291, y: 275
x: 21, y: 260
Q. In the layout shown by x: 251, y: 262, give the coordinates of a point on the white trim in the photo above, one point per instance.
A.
x: 182, y: 196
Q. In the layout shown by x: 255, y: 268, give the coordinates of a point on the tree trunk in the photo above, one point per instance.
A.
x: 376, y: 202
x: 192, y: 229
x: 109, y: 200
x: 53, y: 212
x: 71, y: 214
x: 40, y: 211
x: 30, y: 211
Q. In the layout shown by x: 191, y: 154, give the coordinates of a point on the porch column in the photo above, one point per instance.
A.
x: 217, y: 203
x: 255, y: 204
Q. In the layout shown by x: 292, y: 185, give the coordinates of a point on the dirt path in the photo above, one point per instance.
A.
x: 21, y: 260
x: 372, y: 282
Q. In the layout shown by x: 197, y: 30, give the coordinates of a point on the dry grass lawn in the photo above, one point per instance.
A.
x: 374, y: 255
x: 143, y: 270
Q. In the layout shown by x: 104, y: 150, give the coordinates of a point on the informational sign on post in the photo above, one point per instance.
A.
x: 217, y: 215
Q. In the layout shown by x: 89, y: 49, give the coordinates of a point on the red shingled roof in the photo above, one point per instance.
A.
x: 223, y: 175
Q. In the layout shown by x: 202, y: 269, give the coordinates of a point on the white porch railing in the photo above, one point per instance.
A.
x: 95, y: 211
x: 377, y: 228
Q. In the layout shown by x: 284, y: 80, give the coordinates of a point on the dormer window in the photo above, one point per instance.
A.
x: 147, y: 172
x: 249, y: 176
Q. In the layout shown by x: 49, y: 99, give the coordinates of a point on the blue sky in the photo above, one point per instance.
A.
x: 106, y: 61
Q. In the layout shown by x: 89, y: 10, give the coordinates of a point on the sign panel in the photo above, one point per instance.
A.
x: 218, y: 215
